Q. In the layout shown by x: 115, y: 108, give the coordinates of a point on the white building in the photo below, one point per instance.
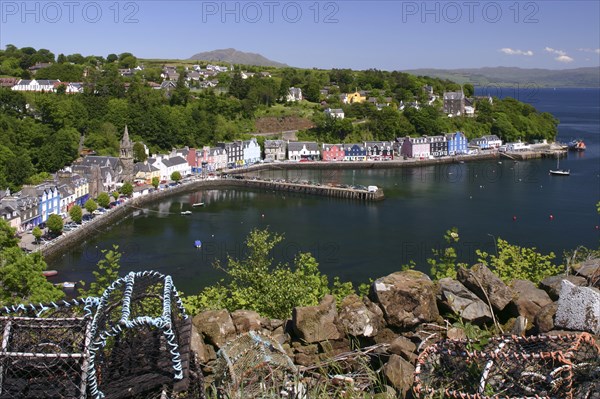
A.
x: 251, y: 151
x: 335, y: 113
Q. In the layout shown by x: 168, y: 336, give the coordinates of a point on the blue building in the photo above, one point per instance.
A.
x: 457, y: 143
x: 48, y: 200
x: 355, y: 152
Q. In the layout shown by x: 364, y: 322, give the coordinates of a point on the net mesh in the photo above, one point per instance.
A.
x: 132, y: 342
x: 552, y: 367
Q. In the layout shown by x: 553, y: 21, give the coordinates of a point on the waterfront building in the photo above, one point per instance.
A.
x: 275, y: 150
x: 355, y: 152
x: 333, y: 152
x: 415, y: 147
x: 145, y: 171
x: 493, y: 141
x: 174, y: 164
x: 235, y: 153
x: 303, y: 150
x: 379, y: 150
x: 251, y: 151
x: 67, y: 197
x: 457, y: 143
x: 48, y: 198
x: 438, y: 146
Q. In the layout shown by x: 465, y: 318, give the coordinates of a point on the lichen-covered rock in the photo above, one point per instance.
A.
x: 578, y: 308
x: 463, y: 302
x: 356, y: 319
x: 246, y: 320
x: 316, y: 323
x: 486, y: 285
x: 544, y: 320
x: 552, y: 285
x: 407, y: 298
x: 528, y: 299
x: 399, y: 373
x: 216, y: 326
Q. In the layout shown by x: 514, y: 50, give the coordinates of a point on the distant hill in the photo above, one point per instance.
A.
x: 510, y: 76
x: 233, y: 56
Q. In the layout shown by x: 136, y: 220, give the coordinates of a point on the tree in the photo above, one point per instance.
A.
x: 8, y: 239
x: 90, y: 205
x: 22, y: 280
x: 111, y: 58
x: 103, y: 199
x: 139, y: 152
x: 176, y: 176
x: 155, y: 182
x: 55, y: 223
x: 468, y: 89
x: 76, y: 213
x: 37, y: 233
x: 256, y: 283
x: 127, y: 189
x: 107, y: 273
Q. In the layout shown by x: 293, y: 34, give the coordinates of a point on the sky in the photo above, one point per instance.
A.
x: 388, y: 35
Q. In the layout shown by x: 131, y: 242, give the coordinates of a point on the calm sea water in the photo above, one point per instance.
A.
x: 357, y: 241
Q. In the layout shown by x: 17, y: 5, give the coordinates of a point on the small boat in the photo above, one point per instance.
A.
x: 198, y: 244
x: 49, y: 273
x: 186, y: 212
x: 577, y: 145
x: 66, y: 284
x: 558, y: 171
x: 198, y: 204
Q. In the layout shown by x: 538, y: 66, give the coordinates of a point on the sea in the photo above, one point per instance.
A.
x: 516, y: 201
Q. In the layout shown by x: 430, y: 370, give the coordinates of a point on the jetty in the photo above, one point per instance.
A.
x: 375, y: 194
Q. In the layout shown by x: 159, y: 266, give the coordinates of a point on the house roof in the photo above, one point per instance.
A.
x: 454, y: 95
x: 113, y: 162
x: 174, y: 161
x: 298, y: 145
x: 275, y: 143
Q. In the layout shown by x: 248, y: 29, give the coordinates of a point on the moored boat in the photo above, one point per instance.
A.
x: 66, y: 284
x: 49, y: 273
x: 198, y: 244
x: 558, y: 171
x: 186, y: 212
x: 577, y: 145
x: 198, y: 204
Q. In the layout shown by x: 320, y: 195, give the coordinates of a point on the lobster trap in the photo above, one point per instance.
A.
x: 132, y: 342
x: 540, y: 367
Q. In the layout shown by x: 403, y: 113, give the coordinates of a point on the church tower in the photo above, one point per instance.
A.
x: 126, y: 157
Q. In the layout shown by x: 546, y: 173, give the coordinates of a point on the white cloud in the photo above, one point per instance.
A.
x: 590, y: 50
x: 511, y: 51
x: 564, y: 58
x: 561, y: 55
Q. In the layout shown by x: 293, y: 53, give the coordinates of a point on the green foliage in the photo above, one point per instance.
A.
x: 103, y: 199
x: 8, y: 239
x: 139, y: 152
x: 107, y: 273
x: 127, y: 189
x: 54, y: 223
x: 76, y: 213
x: 22, y: 281
x: 364, y: 288
x: 176, y: 176
x: 37, y: 233
x: 256, y: 283
x: 90, y: 205
x: 155, y: 182
x: 515, y: 262
x: 444, y: 263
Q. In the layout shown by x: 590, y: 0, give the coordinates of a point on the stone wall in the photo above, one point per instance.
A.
x: 403, y: 313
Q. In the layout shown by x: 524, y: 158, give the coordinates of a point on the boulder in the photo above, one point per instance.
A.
x: 404, y: 347
x: 399, y: 373
x: 203, y: 353
x: 590, y: 269
x: 216, y: 326
x: 246, y: 320
x: 552, y: 285
x: 486, y: 285
x: 463, y: 302
x: 578, y: 308
x: 407, y: 298
x: 316, y: 323
x: 528, y: 299
x: 544, y: 320
x: 356, y: 319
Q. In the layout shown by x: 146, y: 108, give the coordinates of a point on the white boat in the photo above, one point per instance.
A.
x: 186, y: 212
x: 67, y: 284
x: 558, y: 171
x: 198, y: 204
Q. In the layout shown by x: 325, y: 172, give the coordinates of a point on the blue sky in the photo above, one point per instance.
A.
x: 391, y: 35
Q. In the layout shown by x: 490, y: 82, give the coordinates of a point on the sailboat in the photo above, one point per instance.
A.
x: 558, y: 171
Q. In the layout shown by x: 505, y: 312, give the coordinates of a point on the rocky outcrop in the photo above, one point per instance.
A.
x: 529, y: 299
x: 552, y: 285
x: 407, y: 298
x: 459, y: 300
x: 399, y: 373
x: 578, y: 308
x: 544, y: 320
x: 360, y: 318
x: 590, y: 270
x: 316, y: 323
x: 486, y: 285
x: 246, y: 320
x: 216, y: 326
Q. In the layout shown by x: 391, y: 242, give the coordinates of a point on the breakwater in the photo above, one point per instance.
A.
x: 317, y: 189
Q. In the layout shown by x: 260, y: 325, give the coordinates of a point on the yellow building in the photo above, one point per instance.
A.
x: 355, y: 97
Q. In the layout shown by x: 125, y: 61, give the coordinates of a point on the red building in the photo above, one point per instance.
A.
x: 333, y: 152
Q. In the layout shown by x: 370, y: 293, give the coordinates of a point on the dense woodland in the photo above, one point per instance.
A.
x: 41, y: 132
